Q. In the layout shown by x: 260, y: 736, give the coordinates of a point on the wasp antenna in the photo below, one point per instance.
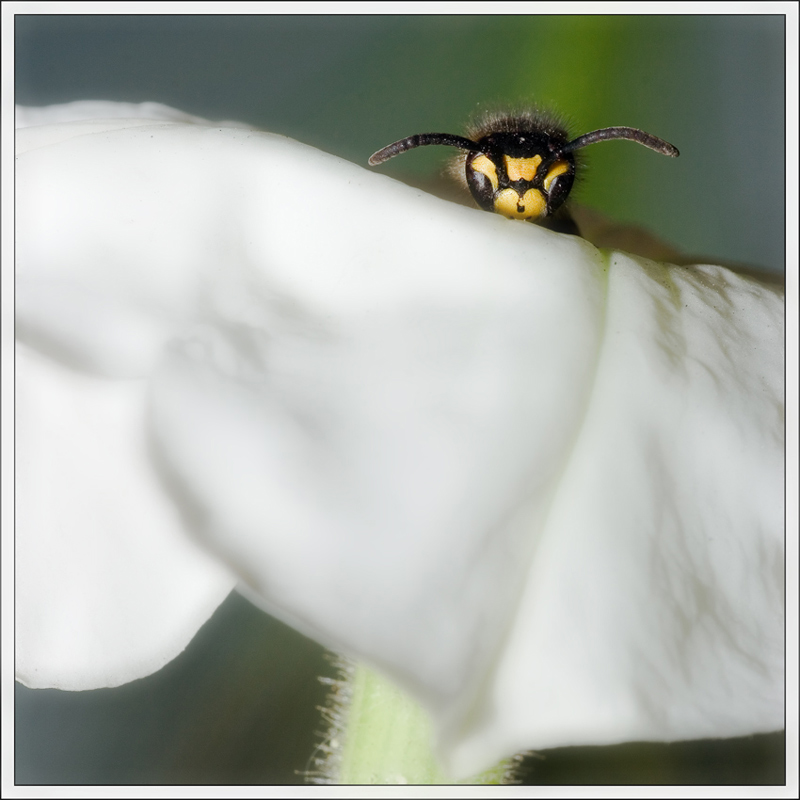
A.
x: 634, y: 134
x: 420, y: 140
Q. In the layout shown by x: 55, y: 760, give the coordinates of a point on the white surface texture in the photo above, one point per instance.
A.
x: 539, y: 485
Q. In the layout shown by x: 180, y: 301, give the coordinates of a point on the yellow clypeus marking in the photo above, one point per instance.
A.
x: 486, y: 167
x: 522, y: 169
x: 531, y: 205
x: 559, y: 168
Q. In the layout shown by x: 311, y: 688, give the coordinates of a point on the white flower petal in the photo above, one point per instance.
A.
x: 367, y: 465
x: 465, y: 449
x: 654, y: 603
x: 108, y: 587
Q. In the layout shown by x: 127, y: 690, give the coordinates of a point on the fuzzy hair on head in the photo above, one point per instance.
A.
x: 513, y: 120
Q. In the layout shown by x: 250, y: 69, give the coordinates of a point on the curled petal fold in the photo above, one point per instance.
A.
x: 538, y: 484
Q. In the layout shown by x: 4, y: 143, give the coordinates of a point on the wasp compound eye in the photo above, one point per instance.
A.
x: 521, y: 166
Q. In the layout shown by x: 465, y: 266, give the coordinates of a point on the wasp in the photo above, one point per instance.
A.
x: 521, y: 165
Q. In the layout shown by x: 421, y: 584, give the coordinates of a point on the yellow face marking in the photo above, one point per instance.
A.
x: 531, y: 205
x: 486, y: 167
x: 522, y: 169
x: 559, y: 168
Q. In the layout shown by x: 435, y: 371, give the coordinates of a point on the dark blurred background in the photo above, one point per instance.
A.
x: 239, y: 706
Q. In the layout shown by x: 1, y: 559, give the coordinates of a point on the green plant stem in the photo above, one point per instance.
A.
x: 387, y: 738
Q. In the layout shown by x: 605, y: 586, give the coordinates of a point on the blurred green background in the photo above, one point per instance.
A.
x: 239, y: 705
